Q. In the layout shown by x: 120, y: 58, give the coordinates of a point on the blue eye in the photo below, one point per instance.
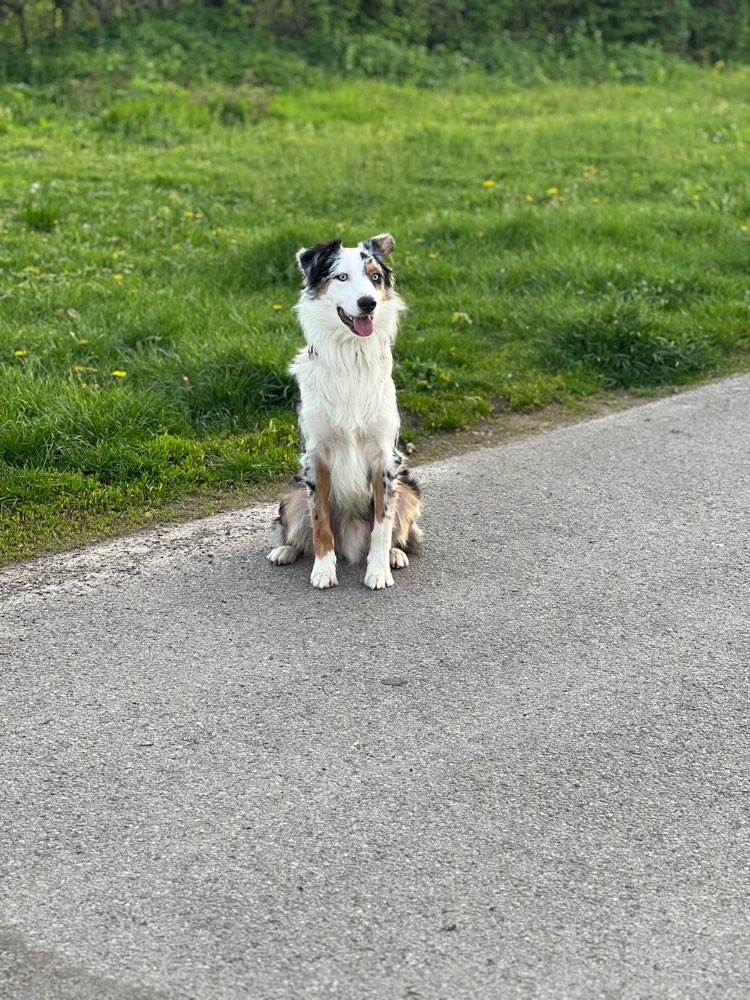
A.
x: 375, y: 278
x: 342, y: 277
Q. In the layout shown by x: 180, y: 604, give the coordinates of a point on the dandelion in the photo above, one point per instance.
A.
x: 462, y: 317
x: 277, y: 307
x: 341, y: 226
x: 432, y: 256
x: 553, y: 191
x: 79, y: 368
x: 696, y: 197
x: 119, y: 374
x: 83, y: 343
x: 20, y: 354
x: 188, y: 214
x: 117, y: 277
x: 529, y: 198
x: 489, y: 184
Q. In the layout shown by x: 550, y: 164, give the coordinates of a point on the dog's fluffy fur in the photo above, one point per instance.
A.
x: 354, y: 496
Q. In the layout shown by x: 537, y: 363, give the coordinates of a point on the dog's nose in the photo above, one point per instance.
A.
x: 367, y: 304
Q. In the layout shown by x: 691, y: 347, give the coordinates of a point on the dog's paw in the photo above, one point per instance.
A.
x: 378, y: 578
x: 324, y: 572
x: 399, y: 559
x: 282, y: 555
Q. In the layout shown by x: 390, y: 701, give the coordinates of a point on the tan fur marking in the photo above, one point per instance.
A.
x: 378, y: 494
x: 320, y: 511
x: 372, y: 268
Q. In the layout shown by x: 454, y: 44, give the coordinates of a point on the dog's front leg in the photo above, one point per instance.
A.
x: 319, y: 499
x: 378, y: 573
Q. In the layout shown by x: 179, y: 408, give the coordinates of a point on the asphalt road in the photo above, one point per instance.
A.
x: 209, y: 791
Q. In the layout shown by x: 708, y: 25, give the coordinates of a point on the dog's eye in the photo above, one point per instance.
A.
x: 342, y: 277
x: 375, y: 278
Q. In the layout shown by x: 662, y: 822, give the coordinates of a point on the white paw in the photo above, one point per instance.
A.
x: 324, y: 572
x: 378, y: 578
x: 283, y: 555
x: 399, y: 559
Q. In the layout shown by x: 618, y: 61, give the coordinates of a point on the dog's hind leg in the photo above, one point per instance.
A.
x: 292, y: 534
x: 319, y: 500
x: 378, y: 573
x: 407, y: 535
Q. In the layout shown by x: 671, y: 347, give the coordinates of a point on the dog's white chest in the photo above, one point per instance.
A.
x: 352, y: 400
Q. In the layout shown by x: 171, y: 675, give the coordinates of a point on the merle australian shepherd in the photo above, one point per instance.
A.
x: 354, y: 496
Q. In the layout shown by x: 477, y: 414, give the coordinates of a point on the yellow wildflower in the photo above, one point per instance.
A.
x: 119, y: 374
x: 488, y: 184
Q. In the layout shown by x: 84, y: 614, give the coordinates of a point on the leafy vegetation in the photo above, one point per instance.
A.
x: 706, y: 29
x: 553, y: 240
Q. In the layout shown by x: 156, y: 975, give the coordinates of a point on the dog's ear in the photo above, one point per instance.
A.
x: 316, y: 262
x: 379, y: 246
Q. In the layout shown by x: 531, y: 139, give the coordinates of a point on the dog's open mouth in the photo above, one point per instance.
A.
x: 361, y: 325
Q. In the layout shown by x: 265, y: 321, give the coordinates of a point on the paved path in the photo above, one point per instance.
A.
x: 210, y: 793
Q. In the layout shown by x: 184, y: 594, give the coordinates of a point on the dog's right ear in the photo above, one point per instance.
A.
x: 316, y: 262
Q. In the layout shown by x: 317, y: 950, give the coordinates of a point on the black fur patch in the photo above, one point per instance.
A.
x: 316, y: 263
x: 407, y: 478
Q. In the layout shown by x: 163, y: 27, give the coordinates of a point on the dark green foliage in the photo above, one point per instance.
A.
x: 329, y: 31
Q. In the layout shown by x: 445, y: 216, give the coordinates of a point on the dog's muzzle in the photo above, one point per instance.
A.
x: 361, y: 325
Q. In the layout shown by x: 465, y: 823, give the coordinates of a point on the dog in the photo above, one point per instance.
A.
x: 354, y: 495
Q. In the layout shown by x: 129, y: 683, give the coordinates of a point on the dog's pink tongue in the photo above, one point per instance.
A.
x: 363, y: 325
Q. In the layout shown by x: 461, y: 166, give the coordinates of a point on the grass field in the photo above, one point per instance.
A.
x: 551, y: 242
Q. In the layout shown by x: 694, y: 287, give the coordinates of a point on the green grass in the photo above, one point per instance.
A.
x: 552, y: 242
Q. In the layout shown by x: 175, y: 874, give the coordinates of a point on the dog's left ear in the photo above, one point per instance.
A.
x: 379, y: 246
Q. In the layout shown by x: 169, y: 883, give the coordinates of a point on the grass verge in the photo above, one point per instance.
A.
x: 553, y: 243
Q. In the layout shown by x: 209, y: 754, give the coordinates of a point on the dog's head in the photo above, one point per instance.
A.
x: 352, y: 286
